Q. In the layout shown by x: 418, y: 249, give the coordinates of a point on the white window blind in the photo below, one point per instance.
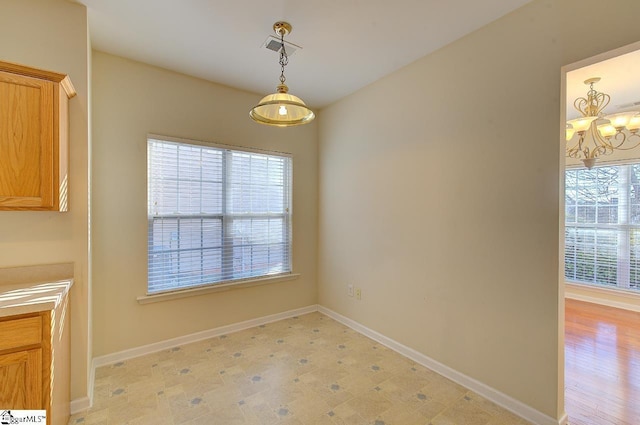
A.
x: 215, y: 215
x: 602, y: 226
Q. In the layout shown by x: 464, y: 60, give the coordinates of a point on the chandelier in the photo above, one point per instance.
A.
x: 593, y: 135
x: 282, y: 109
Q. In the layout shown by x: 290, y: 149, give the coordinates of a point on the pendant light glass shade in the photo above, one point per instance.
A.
x: 281, y: 109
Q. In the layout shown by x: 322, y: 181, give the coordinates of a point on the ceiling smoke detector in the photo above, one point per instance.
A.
x: 273, y: 43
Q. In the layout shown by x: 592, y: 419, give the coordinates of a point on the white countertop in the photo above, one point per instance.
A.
x: 32, y: 297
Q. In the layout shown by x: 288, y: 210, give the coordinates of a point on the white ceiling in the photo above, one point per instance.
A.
x: 347, y: 44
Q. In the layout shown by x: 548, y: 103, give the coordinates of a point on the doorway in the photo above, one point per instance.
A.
x: 598, y: 244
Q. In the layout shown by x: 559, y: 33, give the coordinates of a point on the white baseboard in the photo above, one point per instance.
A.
x: 80, y: 404
x: 603, y: 296
x: 509, y: 403
x: 198, y: 336
x: 84, y: 403
x: 564, y: 420
x: 605, y: 302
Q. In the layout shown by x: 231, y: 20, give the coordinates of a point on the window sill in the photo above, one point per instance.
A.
x: 184, y: 293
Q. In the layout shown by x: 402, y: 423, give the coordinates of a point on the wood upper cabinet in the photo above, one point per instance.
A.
x: 33, y: 138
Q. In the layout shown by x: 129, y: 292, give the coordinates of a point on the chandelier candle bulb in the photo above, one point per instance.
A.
x: 607, y: 130
x: 621, y: 120
x: 582, y: 124
x: 634, y: 124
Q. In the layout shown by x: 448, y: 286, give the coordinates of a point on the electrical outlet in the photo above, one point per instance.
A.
x: 358, y: 293
x: 350, y: 290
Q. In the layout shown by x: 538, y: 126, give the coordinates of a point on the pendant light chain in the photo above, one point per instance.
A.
x: 284, y: 59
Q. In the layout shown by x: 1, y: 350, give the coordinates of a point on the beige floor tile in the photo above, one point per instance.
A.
x: 306, y: 409
x: 403, y: 414
x: 223, y: 396
x: 338, y: 398
x: 370, y: 405
x: 500, y: 415
x: 323, y: 419
x: 353, y: 419
x: 183, y: 412
x: 153, y: 419
x: 444, y: 390
x: 431, y: 408
x: 463, y: 412
x: 282, y: 395
x: 96, y: 417
x: 229, y: 415
x: 134, y: 409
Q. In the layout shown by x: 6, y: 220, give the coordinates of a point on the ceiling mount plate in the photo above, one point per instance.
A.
x: 282, y: 28
x: 592, y: 80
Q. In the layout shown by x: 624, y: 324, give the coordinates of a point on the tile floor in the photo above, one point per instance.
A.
x: 303, y: 370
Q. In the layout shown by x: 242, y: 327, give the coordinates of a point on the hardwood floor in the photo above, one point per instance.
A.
x: 602, y: 365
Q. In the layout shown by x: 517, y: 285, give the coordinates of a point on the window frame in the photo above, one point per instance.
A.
x: 226, y: 219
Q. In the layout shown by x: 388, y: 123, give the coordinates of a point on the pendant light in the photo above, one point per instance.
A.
x: 282, y: 109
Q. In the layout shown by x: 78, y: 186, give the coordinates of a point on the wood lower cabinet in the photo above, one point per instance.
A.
x: 20, y: 379
x: 34, y: 362
x: 33, y: 138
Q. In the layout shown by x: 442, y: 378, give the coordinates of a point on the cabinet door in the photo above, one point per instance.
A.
x: 21, y: 380
x: 27, y: 145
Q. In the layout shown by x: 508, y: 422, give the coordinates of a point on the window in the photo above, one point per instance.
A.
x: 602, y: 226
x: 215, y: 215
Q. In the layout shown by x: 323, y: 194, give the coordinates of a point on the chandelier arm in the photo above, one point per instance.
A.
x: 632, y: 136
x: 602, y: 100
x: 579, y: 150
x: 617, y: 140
x: 582, y: 151
x: 603, y: 146
x: 599, y: 150
x: 581, y: 105
x: 574, y: 152
x: 580, y: 141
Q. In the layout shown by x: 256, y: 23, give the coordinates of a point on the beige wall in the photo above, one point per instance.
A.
x: 439, y: 196
x: 52, y: 34
x: 131, y: 99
